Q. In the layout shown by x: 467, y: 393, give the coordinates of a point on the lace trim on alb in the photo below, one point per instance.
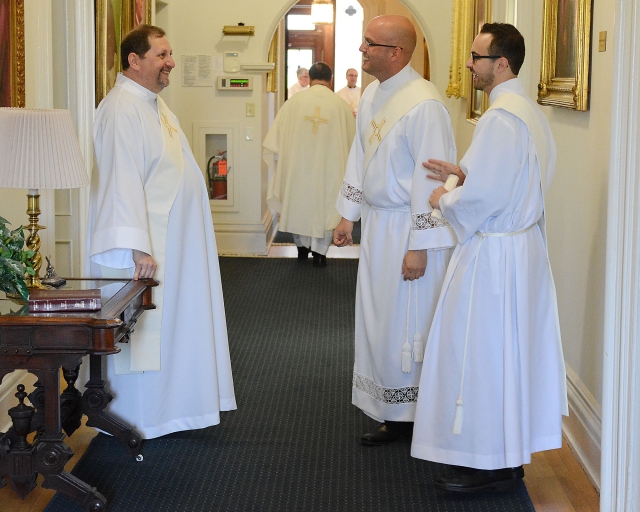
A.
x: 385, y: 395
x: 351, y: 193
x: 421, y: 221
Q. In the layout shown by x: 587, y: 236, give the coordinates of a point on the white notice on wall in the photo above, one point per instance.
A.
x: 197, y: 71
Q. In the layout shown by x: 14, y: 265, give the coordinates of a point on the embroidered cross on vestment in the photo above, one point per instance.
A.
x: 376, y: 130
x: 165, y: 122
x: 315, y: 119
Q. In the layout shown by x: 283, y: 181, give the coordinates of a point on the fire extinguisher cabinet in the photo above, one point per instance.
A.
x: 217, y: 176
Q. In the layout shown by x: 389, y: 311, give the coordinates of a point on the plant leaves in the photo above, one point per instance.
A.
x: 22, y: 289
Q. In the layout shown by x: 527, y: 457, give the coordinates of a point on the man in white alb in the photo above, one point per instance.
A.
x: 351, y: 92
x: 493, y: 384
x: 150, y: 217
x: 301, y: 84
x: 404, y: 251
x: 307, y: 149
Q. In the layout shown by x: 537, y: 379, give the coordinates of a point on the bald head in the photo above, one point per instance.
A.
x: 399, y: 31
x: 392, y: 40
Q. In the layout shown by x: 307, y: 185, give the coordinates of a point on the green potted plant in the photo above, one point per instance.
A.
x: 14, y: 261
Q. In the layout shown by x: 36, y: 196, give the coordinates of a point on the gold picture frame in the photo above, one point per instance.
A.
x: 478, y: 101
x: 566, y: 43
x: 12, y: 83
x: 113, y: 20
x: 461, y: 39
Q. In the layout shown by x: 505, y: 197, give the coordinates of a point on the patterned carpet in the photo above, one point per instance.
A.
x: 293, y: 444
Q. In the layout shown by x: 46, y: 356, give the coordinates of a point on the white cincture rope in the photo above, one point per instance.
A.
x: 406, y: 348
x: 457, y: 421
x: 418, y: 345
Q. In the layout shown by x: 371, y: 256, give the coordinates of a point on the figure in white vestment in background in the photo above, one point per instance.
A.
x: 493, y: 384
x: 307, y: 147
x: 404, y: 251
x: 150, y: 216
x: 301, y: 84
x: 351, y: 92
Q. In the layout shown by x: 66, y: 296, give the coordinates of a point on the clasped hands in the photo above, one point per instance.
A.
x: 441, y: 171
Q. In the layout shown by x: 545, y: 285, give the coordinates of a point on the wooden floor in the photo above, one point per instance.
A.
x: 557, y: 483
x: 555, y: 480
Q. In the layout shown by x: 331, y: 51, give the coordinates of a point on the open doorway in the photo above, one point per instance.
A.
x: 306, y: 42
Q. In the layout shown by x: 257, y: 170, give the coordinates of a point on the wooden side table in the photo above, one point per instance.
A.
x: 42, y: 343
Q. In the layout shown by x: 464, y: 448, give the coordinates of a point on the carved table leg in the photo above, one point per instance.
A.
x: 70, y: 407
x: 36, y: 397
x: 51, y: 453
x: 95, y: 399
x: 20, y: 456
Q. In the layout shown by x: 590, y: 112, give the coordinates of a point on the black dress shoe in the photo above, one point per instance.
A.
x: 475, y: 480
x: 319, y: 260
x: 387, y: 432
x: 303, y: 253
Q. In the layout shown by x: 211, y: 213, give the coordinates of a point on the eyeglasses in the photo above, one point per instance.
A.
x: 369, y: 44
x: 475, y: 57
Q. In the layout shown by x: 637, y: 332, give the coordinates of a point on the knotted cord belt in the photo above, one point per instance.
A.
x: 457, y: 422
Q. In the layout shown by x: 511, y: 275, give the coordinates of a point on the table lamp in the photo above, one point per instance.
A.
x: 39, y: 149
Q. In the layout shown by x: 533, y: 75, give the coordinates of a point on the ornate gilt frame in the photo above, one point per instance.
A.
x: 570, y: 92
x: 16, y: 74
x: 461, y: 38
x: 124, y: 23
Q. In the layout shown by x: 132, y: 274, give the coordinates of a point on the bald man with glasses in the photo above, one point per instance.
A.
x: 404, y: 251
x: 351, y: 92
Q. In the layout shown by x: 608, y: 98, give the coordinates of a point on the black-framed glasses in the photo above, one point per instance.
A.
x: 475, y: 57
x: 369, y: 44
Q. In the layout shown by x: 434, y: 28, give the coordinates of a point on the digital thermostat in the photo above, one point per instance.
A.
x: 236, y: 83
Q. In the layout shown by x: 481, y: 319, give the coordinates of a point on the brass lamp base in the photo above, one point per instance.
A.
x: 33, y: 242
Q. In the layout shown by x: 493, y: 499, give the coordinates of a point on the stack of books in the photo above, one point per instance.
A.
x: 51, y: 301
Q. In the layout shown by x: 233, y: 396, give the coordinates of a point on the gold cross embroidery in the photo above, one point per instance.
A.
x: 376, y: 130
x: 165, y: 122
x: 315, y: 119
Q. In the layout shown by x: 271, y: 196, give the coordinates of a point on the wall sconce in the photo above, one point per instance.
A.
x: 238, y: 30
x: 322, y: 12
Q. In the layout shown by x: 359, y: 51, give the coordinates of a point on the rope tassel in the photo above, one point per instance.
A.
x: 406, y: 357
x: 418, y: 348
x: 457, y: 420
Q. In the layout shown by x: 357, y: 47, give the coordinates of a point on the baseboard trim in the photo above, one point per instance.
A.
x: 583, y: 427
x: 246, y: 239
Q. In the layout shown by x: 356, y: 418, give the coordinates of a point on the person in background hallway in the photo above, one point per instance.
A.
x: 301, y: 84
x: 494, y: 350
x: 150, y: 217
x: 351, y: 92
x: 307, y: 147
x: 404, y: 250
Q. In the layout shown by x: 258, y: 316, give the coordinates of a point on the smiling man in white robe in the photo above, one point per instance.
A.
x: 150, y: 217
x: 351, y: 92
x: 492, y: 390
x: 307, y: 149
x: 404, y: 251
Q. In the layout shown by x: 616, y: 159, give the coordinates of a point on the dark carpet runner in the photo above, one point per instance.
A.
x: 293, y: 444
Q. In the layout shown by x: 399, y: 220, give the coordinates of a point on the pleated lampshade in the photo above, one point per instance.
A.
x: 39, y: 149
